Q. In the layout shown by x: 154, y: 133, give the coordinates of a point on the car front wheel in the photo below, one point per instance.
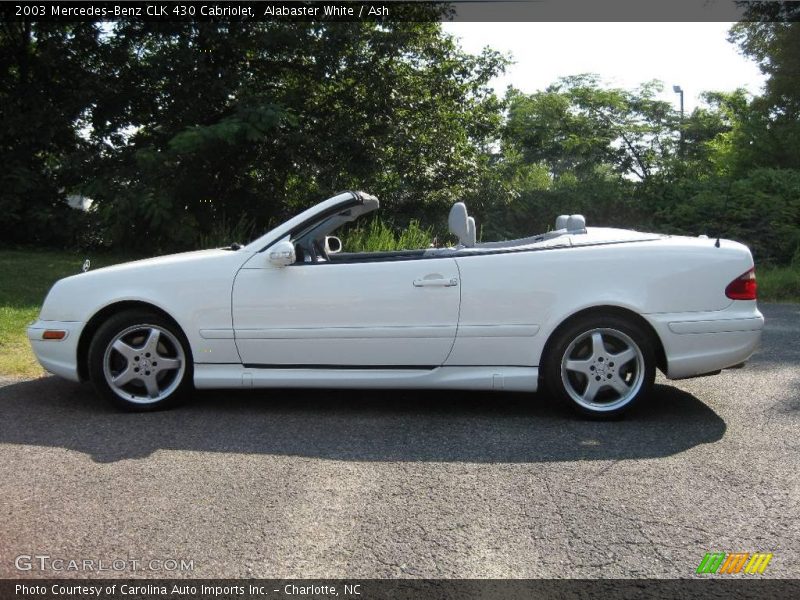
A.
x: 140, y: 361
x: 601, y: 366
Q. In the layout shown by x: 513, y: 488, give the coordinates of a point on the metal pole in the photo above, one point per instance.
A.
x: 680, y: 148
x: 679, y: 90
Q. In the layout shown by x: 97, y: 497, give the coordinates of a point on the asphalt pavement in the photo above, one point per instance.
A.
x: 369, y: 484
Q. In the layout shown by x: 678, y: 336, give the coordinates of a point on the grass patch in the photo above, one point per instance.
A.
x: 779, y: 284
x: 25, y: 278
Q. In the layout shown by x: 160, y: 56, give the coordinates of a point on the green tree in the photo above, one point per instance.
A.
x: 47, y: 84
x: 202, y: 123
x: 577, y: 126
x: 771, y: 37
x: 581, y: 147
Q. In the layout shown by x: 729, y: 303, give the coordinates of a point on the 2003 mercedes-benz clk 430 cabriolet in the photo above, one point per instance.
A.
x: 589, y: 312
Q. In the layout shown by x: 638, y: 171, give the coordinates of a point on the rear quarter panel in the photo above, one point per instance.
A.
x: 524, y: 291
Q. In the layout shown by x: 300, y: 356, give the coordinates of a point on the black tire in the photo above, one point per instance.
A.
x: 590, y: 381
x: 145, y: 384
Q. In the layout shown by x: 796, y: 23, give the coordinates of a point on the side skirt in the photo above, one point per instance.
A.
x: 517, y: 379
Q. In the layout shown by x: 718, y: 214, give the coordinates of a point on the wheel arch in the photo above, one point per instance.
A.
x: 618, y: 311
x: 105, y: 313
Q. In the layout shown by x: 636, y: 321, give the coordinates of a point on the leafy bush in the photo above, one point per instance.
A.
x: 225, y: 232
x: 779, y: 283
x: 604, y: 203
x: 761, y: 210
x: 379, y: 236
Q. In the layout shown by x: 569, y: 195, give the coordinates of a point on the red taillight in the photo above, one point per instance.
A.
x: 743, y: 287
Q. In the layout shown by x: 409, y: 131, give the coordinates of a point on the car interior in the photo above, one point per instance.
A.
x: 315, y: 245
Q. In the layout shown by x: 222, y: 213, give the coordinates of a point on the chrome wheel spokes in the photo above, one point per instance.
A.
x: 602, y: 369
x: 144, y: 363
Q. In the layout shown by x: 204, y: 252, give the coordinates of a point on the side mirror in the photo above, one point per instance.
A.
x: 332, y: 244
x: 282, y: 254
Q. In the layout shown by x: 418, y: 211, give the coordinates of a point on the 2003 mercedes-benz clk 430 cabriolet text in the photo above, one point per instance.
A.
x: 588, y: 312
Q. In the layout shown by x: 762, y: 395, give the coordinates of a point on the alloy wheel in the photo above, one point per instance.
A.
x: 144, y: 364
x: 602, y: 369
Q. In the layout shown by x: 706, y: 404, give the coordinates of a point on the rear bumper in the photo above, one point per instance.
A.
x: 59, y: 357
x: 703, y: 342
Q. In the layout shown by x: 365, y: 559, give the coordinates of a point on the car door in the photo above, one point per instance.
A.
x: 394, y: 313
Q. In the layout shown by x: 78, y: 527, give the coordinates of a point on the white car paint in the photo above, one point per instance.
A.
x: 651, y: 276
x: 364, y: 314
x: 467, y: 318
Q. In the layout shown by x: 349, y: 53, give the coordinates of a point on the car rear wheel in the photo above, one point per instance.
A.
x: 601, y: 365
x: 140, y: 361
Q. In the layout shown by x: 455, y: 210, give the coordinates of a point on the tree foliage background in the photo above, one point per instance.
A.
x: 196, y: 134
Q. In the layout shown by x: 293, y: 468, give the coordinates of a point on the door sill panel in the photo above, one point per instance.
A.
x: 517, y: 379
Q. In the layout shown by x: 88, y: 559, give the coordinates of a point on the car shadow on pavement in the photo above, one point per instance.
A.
x: 352, y: 425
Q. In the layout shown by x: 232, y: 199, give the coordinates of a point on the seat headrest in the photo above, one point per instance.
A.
x: 472, y: 235
x: 576, y: 223
x: 571, y: 222
x: 458, y: 223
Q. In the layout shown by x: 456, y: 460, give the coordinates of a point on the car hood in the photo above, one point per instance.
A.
x: 182, y: 259
x: 72, y: 298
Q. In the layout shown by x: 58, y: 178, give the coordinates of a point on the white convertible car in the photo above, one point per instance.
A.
x: 588, y: 312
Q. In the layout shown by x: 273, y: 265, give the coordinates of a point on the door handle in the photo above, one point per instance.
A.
x: 436, y: 282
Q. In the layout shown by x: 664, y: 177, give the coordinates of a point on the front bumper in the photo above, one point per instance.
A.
x: 704, y: 342
x: 59, y: 357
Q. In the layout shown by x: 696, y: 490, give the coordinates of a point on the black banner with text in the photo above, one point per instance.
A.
x: 323, y: 11
x: 373, y: 589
